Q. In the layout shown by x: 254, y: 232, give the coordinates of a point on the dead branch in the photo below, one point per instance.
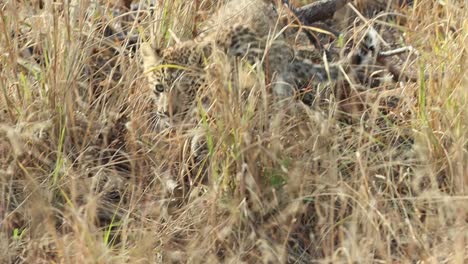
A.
x: 319, y: 11
x: 396, y: 70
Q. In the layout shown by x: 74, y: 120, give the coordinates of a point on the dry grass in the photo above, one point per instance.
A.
x: 289, y: 184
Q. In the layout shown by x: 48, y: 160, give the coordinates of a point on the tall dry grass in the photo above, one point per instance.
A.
x: 84, y: 178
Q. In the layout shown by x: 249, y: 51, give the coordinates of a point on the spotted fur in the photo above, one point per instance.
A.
x: 177, y: 74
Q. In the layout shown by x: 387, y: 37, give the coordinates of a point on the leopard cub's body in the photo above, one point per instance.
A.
x: 178, y: 74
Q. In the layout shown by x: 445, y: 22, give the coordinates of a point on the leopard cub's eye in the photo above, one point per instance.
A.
x: 159, y: 88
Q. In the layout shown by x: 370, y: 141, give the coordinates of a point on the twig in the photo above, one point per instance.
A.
x: 398, y: 51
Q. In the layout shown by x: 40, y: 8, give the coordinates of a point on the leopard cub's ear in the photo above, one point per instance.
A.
x: 151, y: 57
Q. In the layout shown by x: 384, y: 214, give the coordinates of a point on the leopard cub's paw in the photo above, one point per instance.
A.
x: 199, y: 149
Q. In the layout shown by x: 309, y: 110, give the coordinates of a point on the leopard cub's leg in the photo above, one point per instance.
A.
x: 199, y: 155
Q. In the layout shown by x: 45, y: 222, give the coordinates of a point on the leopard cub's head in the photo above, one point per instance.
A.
x: 174, y: 75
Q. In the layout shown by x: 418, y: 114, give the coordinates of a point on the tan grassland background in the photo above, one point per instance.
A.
x: 84, y: 179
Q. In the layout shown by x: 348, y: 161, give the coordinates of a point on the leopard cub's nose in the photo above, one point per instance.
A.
x: 167, y: 111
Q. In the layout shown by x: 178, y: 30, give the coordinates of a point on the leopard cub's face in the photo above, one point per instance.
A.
x: 174, y: 75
